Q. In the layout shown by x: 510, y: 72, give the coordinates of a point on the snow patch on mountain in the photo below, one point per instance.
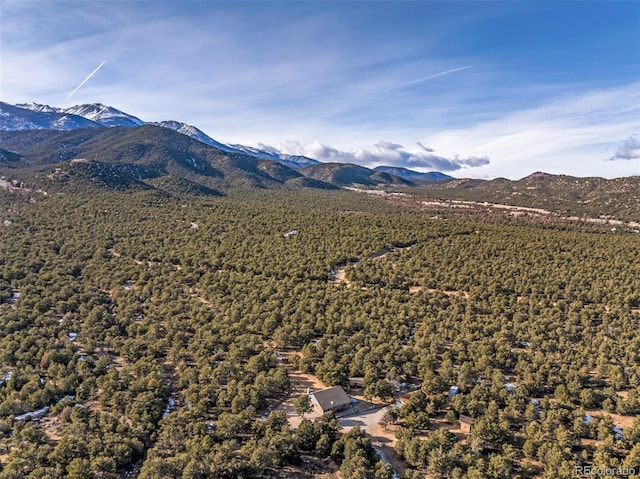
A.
x: 196, y: 134
x: 38, y: 107
x: 96, y: 112
x: 268, y: 153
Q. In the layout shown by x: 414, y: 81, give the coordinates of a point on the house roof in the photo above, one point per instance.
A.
x: 331, y: 398
x: 465, y: 419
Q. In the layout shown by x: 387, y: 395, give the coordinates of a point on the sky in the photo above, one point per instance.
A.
x: 473, y: 89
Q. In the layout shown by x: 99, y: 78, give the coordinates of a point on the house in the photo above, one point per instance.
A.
x: 333, y: 399
x: 465, y: 423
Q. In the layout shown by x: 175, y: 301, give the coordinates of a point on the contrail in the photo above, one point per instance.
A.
x: 420, y: 80
x: 87, y: 79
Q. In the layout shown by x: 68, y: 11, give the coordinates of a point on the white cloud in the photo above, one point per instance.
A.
x: 382, y: 153
x: 569, y: 135
x: 629, y: 150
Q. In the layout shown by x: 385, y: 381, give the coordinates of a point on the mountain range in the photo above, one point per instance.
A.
x: 88, y: 146
x: 33, y: 116
x: 36, y: 137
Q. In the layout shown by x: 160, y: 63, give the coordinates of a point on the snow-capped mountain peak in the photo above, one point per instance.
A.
x: 39, y: 117
x: 38, y: 107
x: 105, y: 115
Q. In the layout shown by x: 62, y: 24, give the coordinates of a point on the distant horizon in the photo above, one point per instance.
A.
x: 470, y: 89
x: 421, y: 170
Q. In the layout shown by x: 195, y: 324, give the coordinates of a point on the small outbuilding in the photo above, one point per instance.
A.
x: 356, y: 382
x: 453, y: 390
x: 465, y: 423
x: 333, y: 399
x: 33, y: 415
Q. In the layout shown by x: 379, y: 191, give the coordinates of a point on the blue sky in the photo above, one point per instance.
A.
x: 474, y: 89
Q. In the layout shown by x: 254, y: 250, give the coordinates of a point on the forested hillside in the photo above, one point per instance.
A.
x: 562, y: 194
x: 143, y: 332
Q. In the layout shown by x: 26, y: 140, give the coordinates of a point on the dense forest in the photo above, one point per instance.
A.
x: 140, y: 335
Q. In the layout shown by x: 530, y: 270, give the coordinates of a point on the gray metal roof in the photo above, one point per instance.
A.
x: 331, y: 398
